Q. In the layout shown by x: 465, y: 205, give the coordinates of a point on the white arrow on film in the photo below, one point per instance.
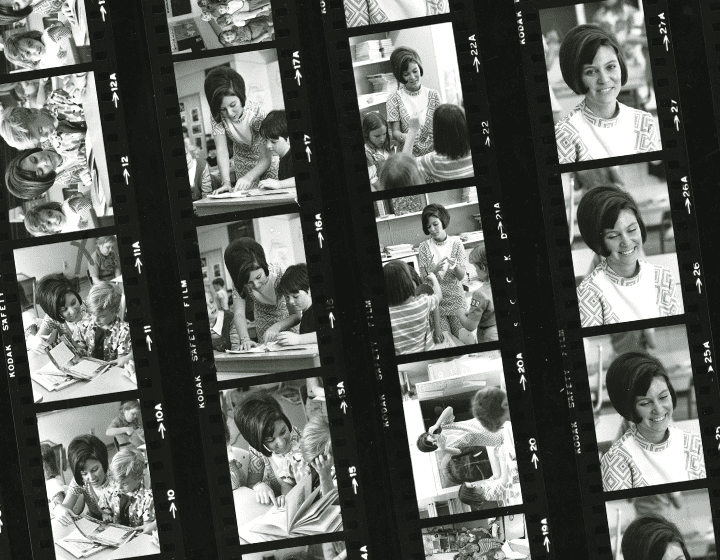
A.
x: 677, y: 123
x: 344, y: 406
x: 308, y: 151
x: 687, y: 204
x: 355, y: 485
x: 666, y: 40
x: 148, y: 340
x: 115, y: 98
x: 298, y: 75
x: 320, y: 238
x: 103, y: 11
x: 138, y: 264
x: 546, y: 542
x: 523, y: 380
x: 161, y: 429
x: 487, y: 141
x: 126, y: 175
x: 173, y: 509
x: 332, y: 320
x: 535, y: 460
x: 698, y: 283
x: 476, y: 63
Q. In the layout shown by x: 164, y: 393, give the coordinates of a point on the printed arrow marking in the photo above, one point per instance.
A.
x: 523, y: 379
x: 173, y: 509
x: 308, y: 151
x: 535, y: 460
x: 687, y: 204
x: 476, y: 64
x: 332, y: 320
x: 103, y: 11
x: 148, y: 340
x: 487, y: 141
x: 666, y: 40
x: 126, y: 175
x: 298, y: 76
x: 138, y: 264
x: 677, y: 123
x: 355, y: 485
x: 698, y: 283
x: 320, y: 238
x: 344, y: 406
x: 546, y: 542
x: 161, y: 429
x: 115, y: 98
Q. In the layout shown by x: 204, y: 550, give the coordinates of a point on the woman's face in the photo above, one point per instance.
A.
x: 41, y: 164
x: 602, y: 78
x: 279, y: 443
x: 72, y: 310
x: 31, y: 50
x: 411, y: 76
x: 624, y: 241
x: 435, y: 228
x: 231, y: 108
x: 53, y: 220
x: 16, y: 5
x: 654, y: 410
x: 674, y: 552
x: 257, y: 279
x: 93, y: 472
x: 377, y: 136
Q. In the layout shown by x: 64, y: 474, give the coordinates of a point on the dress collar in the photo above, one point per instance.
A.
x: 648, y: 445
x: 615, y: 278
x: 594, y: 120
x: 411, y: 93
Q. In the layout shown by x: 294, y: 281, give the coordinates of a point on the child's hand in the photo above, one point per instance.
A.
x: 264, y: 494
x: 438, y: 336
x: 129, y: 430
x: 287, y: 338
x: 63, y: 515
x: 107, y: 516
x: 120, y: 361
x: 451, y: 263
x: 280, y: 501
x: 270, y: 184
x: 86, y: 178
x: 431, y: 276
x: 67, y: 12
x: 414, y: 123
x: 242, y: 184
x: 148, y: 528
x: 272, y: 333
x: 323, y: 465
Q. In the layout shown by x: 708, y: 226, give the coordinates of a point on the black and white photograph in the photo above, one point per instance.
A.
x: 258, y: 296
x: 235, y: 131
x: 644, y: 406
x: 97, y: 481
x: 623, y: 244
x: 436, y: 270
x: 461, y: 442
x: 600, y: 78
x: 673, y: 525
x: 494, y: 538
x: 43, y: 34
x: 73, y: 311
x: 281, y: 464
x: 53, y: 153
x: 411, y: 106
x: 198, y: 25
x: 368, y: 12
x: 335, y: 550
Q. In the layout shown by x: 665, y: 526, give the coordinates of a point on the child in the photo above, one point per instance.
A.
x: 64, y: 312
x: 295, y: 287
x: 276, y: 463
x: 316, y: 449
x: 255, y: 30
x: 443, y: 255
x: 31, y: 173
x: 130, y: 501
x: 105, y: 264
x: 102, y: 333
x: 238, y: 477
x: 127, y: 422
x: 198, y: 171
x: 90, y: 485
x: 32, y: 50
x: 482, y: 309
x: 274, y: 128
x: 53, y: 482
x: 377, y: 144
x: 221, y: 295
x: 49, y: 218
x: 25, y: 128
x: 222, y: 328
x: 399, y: 170
x: 454, y: 437
x: 239, y: 17
x: 451, y: 157
x: 409, y: 314
x: 29, y: 316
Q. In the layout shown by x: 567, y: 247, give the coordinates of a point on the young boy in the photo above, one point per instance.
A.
x: 221, y: 295
x: 222, y: 329
x: 102, y: 334
x: 481, y: 314
x: 130, y: 501
x: 24, y: 128
x: 275, y: 129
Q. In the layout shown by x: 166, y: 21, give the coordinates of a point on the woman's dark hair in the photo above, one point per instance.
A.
x: 372, y: 121
x: 241, y: 257
x: 579, y: 47
x: 450, y: 132
x: 401, y: 58
x: 648, y: 537
x: 8, y: 16
x: 51, y: 292
x: 471, y: 465
x: 434, y: 211
x: 25, y: 184
x: 81, y: 450
x: 398, y: 282
x: 255, y: 417
x: 424, y: 444
x: 222, y: 82
x: 629, y: 376
x: 488, y: 409
x: 599, y: 209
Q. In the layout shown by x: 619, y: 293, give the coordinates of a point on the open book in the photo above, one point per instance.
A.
x: 91, y: 536
x: 245, y: 194
x: 306, y: 512
x: 269, y: 347
x: 65, y: 357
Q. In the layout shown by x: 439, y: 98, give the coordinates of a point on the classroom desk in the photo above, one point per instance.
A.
x: 97, y: 161
x: 232, y: 366
x: 141, y: 545
x: 113, y: 380
x: 212, y: 206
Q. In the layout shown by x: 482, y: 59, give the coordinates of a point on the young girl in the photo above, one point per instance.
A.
x: 481, y: 314
x: 451, y: 158
x: 64, y: 311
x: 259, y: 28
x: 276, y: 463
x: 240, y: 17
x: 377, y: 144
x: 444, y: 255
x: 222, y: 328
x: 127, y: 422
x: 53, y: 482
x: 130, y: 501
x: 409, y: 314
x: 238, y: 477
x: 90, y: 485
x: 399, y: 170
x: 454, y: 437
x: 31, y: 173
x: 33, y: 50
x: 49, y: 218
x: 411, y: 98
x: 105, y: 264
x: 12, y: 11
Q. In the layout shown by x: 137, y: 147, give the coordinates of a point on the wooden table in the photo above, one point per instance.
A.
x: 212, y: 206
x: 113, y: 380
x: 232, y: 366
x: 141, y: 545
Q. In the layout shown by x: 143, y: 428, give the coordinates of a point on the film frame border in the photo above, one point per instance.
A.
x: 125, y: 229
x: 317, y: 250
x: 378, y: 333
x: 696, y: 316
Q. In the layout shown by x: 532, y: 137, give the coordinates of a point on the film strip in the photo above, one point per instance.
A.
x: 83, y: 375
x: 619, y: 212
x: 249, y: 99
x: 460, y: 484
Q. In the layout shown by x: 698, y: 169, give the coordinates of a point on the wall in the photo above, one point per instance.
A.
x: 42, y: 260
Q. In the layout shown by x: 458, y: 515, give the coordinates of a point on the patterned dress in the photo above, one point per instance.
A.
x: 290, y: 466
x: 96, y: 499
x: 116, y: 342
x: 397, y: 112
x: 68, y: 329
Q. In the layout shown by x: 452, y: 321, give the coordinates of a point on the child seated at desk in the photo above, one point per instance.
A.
x: 223, y: 333
x: 274, y: 128
x: 127, y: 422
x: 53, y: 483
x: 102, y: 334
x: 130, y: 501
x: 294, y: 286
x: 481, y: 315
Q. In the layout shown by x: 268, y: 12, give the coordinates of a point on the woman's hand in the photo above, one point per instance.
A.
x: 107, y: 515
x: 86, y: 178
x: 38, y: 343
x: 270, y: 184
x: 287, y: 338
x: 149, y: 527
x: 439, y: 266
x: 243, y: 184
x: 247, y: 344
x: 120, y: 361
x: 64, y: 515
x: 226, y: 187
x: 414, y: 123
x: 264, y: 494
x: 272, y: 333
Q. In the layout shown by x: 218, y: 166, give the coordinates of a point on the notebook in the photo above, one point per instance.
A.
x: 66, y: 358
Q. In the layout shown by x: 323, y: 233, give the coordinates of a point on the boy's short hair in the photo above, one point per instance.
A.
x: 50, y: 467
x: 25, y: 184
x: 398, y: 282
x: 102, y: 296
x: 399, y: 170
x: 218, y: 282
x: 478, y: 256
x: 127, y: 463
x: 12, y: 48
x: 104, y: 239
x: 50, y: 295
x: 255, y: 418
x: 241, y: 257
x: 82, y: 449
x: 15, y: 127
x: 274, y: 125
x: 34, y: 225
x: 487, y: 408
x: 435, y: 211
x: 315, y: 440
x: 294, y: 279
x: 450, y: 132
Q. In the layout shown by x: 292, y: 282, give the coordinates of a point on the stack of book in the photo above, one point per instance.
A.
x: 368, y: 50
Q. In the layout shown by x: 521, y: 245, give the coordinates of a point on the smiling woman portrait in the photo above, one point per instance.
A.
x: 651, y: 451
x: 593, y: 64
x: 622, y: 287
